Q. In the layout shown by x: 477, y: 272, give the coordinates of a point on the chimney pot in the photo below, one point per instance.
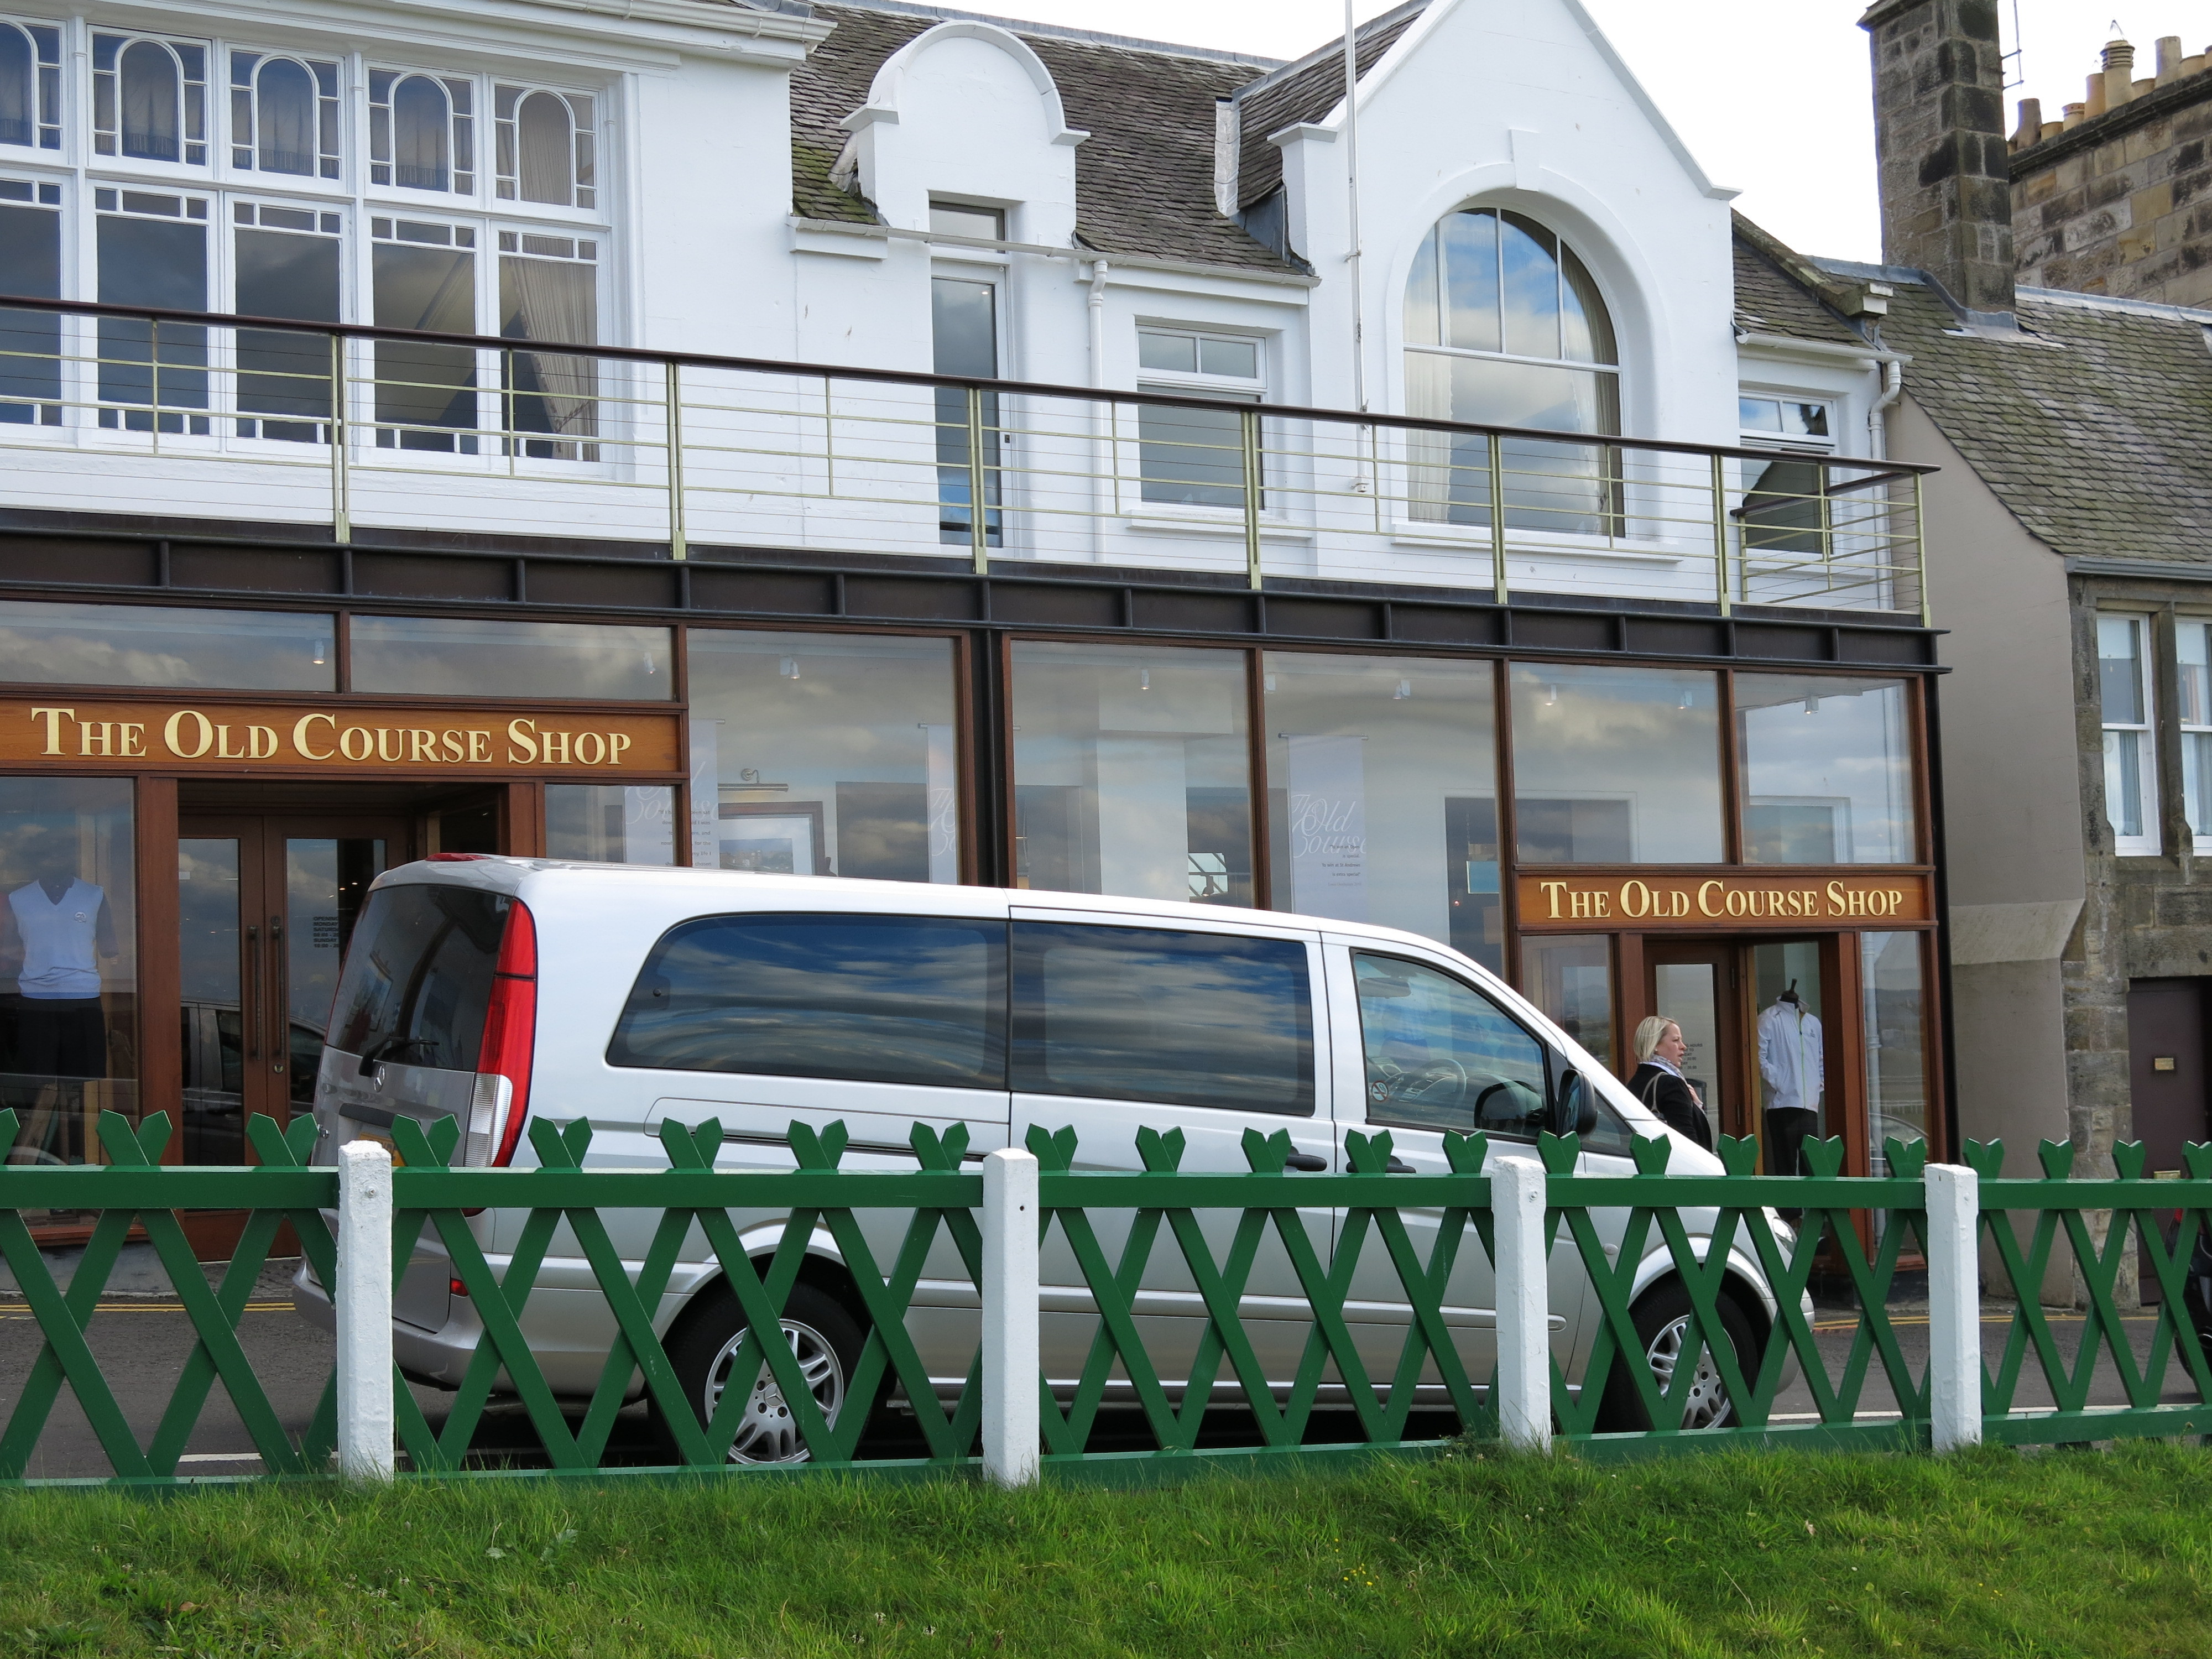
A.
x: 2095, y: 99
x: 2030, y: 129
x: 2075, y: 114
x: 2169, y: 59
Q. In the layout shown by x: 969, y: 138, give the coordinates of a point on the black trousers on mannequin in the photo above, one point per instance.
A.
x: 61, y: 1038
x: 1787, y: 1127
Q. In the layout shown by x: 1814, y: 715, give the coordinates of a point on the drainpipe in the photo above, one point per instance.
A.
x: 1102, y: 414
x: 1892, y: 387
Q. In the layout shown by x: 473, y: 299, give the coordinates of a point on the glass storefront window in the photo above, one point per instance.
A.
x: 1383, y: 794
x: 68, y: 972
x: 1895, y: 1015
x: 1828, y: 770
x: 1132, y: 773
x: 1571, y: 979
x: 43, y: 643
x: 1616, y: 765
x: 610, y: 823
x: 824, y: 754
x: 465, y: 657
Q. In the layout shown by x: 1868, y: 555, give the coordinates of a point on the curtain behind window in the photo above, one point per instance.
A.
x: 552, y: 300
x: 284, y: 107
x: 18, y: 109
x: 548, y: 159
x: 424, y: 123
x: 150, y: 101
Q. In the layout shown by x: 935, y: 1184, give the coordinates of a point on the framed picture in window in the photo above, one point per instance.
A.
x: 772, y: 837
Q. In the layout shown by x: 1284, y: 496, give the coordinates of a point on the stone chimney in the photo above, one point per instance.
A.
x: 1940, y: 145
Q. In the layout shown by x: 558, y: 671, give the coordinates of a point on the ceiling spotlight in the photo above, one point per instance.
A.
x: 1143, y: 680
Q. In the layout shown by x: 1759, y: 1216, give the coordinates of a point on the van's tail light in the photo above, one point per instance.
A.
x: 510, y: 1035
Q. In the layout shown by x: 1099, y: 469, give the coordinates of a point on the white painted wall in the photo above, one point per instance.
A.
x: 1513, y: 103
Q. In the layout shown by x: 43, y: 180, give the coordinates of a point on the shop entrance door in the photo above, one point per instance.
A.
x: 265, y: 906
x: 1695, y: 984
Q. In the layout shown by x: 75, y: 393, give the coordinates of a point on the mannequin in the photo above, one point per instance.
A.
x: 55, y: 931
x: 1792, y: 1060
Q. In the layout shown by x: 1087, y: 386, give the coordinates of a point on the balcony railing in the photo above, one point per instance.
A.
x: 204, y: 414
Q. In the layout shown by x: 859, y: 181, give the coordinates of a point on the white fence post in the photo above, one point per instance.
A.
x: 1954, y: 1308
x: 1524, y: 1305
x: 363, y: 1302
x: 1011, y: 1424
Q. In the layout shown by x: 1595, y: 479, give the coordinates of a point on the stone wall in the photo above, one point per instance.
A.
x: 2120, y: 203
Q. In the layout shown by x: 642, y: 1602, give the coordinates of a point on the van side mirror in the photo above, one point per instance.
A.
x: 1573, y: 1111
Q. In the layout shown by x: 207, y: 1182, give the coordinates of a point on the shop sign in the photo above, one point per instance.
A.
x: 80, y: 733
x: 1627, y: 903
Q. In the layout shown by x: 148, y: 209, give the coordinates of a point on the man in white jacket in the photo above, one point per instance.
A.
x: 1791, y: 1059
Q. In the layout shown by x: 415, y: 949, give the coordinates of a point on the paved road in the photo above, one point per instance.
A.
x: 143, y: 1343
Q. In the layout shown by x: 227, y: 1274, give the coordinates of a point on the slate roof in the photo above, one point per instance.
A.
x: 1305, y: 91
x: 1779, y: 292
x: 1144, y: 180
x: 2093, y: 426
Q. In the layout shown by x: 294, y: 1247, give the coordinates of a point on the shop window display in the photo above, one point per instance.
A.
x: 1383, y: 794
x: 1828, y: 770
x: 824, y: 754
x: 1571, y: 979
x: 1132, y: 774
x: 610, y: 823
x: 68, y: 963
x: 1616, y: 765
x: 1895, y: 1016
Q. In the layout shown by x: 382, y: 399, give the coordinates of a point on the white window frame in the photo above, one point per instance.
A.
x: 505, y: 110
x: 47, y: 51
x: 1788, y: 442
x: 194, y: 100
x: 1196, y: 382
x: 2195, y: 734
x: 464, y: 183
x: 244, y: 110
x: 2147, y: 844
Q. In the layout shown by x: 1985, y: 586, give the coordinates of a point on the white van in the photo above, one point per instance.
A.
x: 498, y: 989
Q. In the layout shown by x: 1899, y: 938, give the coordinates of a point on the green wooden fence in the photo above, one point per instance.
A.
x: 2105, y: 1372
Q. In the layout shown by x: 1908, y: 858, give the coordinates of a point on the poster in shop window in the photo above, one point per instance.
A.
x: 1328, y: 825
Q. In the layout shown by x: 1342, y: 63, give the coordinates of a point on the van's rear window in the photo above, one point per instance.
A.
x: 912, y: 999
x: 418, y: 976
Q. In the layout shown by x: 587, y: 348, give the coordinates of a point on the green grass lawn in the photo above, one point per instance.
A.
x: 1996, y: 1553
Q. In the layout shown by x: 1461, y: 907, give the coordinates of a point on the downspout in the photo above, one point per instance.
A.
x: 1892, y: 388
x: 1101, y: 416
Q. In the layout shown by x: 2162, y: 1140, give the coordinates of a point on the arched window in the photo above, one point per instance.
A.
x: 1504, y: 326
x: 420, y: 132
x: 283, y: 115
x: 150, y: 98
x: 27, y: 72
x: 153, y: 90
x: 545, y: 146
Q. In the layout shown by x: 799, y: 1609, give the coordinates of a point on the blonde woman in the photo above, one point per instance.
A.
x: 1659, y: 1082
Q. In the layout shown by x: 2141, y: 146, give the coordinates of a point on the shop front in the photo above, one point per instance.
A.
x: 194, y: 797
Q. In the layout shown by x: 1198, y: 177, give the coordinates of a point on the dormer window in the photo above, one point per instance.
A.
x: 1505, y: 327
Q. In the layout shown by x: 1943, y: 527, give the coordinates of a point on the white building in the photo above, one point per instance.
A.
x: 852, y: 199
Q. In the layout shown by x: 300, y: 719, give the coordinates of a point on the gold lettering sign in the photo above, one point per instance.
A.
x: 1634, y: 903
x: 78, y: 732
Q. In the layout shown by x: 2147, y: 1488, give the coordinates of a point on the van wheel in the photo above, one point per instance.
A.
x: 824, y: 1339
x: 1662, y: 1316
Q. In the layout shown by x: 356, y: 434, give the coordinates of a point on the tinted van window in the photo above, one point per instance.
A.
x: 1441, y: 1055
x: 418, y: 976
x: 914, y: 1000
x: 1141, y: 1013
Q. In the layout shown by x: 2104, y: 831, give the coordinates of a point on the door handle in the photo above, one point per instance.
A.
x: 1307, y: 1161
x: 249, y: 1014
x: 1399, y: 1166
x: 280, y: 1029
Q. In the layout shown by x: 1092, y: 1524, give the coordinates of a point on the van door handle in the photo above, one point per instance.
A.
x: 1308, y: 1161
x: 1399, y: 1166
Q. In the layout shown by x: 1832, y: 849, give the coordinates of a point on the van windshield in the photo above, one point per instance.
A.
x: 418, y: 976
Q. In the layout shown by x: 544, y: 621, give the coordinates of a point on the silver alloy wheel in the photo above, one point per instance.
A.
x: 1708, y: 1403
x: 768, y: 1432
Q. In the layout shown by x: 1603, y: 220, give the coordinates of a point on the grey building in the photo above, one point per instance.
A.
x: 2074, y: 432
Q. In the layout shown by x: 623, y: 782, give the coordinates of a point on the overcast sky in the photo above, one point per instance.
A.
x: 1770, y: 95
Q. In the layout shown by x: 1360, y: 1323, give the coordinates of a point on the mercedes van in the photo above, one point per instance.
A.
x: 495, y: 990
